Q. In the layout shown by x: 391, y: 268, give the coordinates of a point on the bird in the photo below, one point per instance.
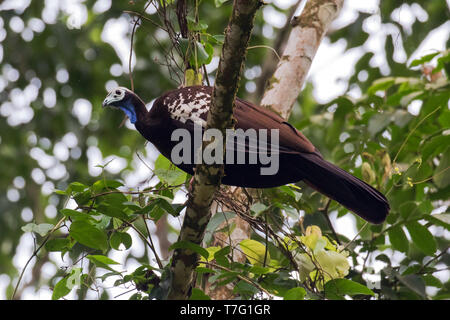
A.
x: 299, y: 160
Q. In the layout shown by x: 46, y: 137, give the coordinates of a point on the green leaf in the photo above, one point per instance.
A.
x: 76, y: 215
x: 378, y: 122
x: 168, y: 173
x: 219, y: 38
x: 102, y: 261
x: 442, y: 219
x: 196, y: 26
x: 432, y: 281
x: 413, y: 282
x: 191, y: 246
x: 57, y: 244
x: 422, y: 237
x: 88, y: 235
x: 441, y: 175
x: 219, y: 3
x: 424, y: 59
x: 381, y: 85
x: 60, y: 290
x: 258, y: 208
x: 215, y: 221
x: 112, y: 211
x: 82, y: 198
x: 101, y: 185
x: 338, y: 288
x: 76, y: 186
x: 191, y: 78
x: 119, y: 238
x: 435, y: 146
x: 41, y: 229
x: 254, y: 251
x: 221, y: 256
x: 398, y: 239
x: 295, y: 294
x: 198, y: 294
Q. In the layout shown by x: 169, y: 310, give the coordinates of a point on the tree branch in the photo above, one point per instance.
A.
x: 207, y: 178
x: 307, y: 33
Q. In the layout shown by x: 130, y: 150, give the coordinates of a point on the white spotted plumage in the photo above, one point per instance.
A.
x: 189, y: 105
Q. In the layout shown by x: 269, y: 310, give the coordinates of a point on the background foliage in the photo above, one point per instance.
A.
x: 391, y: 127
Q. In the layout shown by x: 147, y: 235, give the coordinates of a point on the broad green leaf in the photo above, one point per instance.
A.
x: 112, y: 211
x: 381, y: 85
x: 424, y: 59
x: 57, y: 244
x: 398, y: 239
x: 434, y: 146
x: 378, y: 122
x: 118, y: 238
x: 198, y: 294
x: 258, y: 208
x: 88, y: 235
x: 442, y: 219
x: 42, y: 229
x: 422, y: 237
x: 338, y: 288
x: 196, y: 26
x: 105, y: 185
x: 432, y: 281
x: 102, y: 260
x: 221, y: 256
x: 255, y: 252
x: 168, y: 173
x: 219, y: 3
x: 191, y: 78
x: 295, y: 294
x: 82, y: 198
x: 76, y: 215
x: 60, y: 290
x: 76, y: 186
x: 211, y: 251
x: 413, y: 282
x: 441, y: 175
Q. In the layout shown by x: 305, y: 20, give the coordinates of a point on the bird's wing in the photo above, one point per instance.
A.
x: 191, y: 105
x: 250, y: 116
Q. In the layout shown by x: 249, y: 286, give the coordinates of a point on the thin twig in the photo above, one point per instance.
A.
x: 35, y: 254
x: 245, y: 279
x: 330, y: 225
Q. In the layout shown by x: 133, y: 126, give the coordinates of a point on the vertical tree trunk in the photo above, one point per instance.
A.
x: 307, y: 32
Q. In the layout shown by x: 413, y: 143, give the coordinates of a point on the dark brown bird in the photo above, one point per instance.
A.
x: 187, y: 108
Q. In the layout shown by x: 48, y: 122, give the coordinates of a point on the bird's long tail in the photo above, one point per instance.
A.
x: 339, y: 185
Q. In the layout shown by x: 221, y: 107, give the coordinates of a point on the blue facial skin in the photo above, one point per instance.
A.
x: 128, y: 108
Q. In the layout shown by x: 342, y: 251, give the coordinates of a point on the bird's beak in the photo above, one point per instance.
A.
x: 106, y: 102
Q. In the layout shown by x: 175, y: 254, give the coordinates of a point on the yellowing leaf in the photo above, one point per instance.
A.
x: 333, y: 264
x: 211, y: 251
x: 305, y: 266
x: 255, y: 252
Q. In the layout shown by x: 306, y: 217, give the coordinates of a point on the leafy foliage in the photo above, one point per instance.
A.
x: 394, y: 135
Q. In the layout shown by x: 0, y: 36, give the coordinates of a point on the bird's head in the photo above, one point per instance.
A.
x: 124, y: 99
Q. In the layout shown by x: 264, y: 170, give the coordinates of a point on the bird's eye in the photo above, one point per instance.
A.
x: 117, y: 91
